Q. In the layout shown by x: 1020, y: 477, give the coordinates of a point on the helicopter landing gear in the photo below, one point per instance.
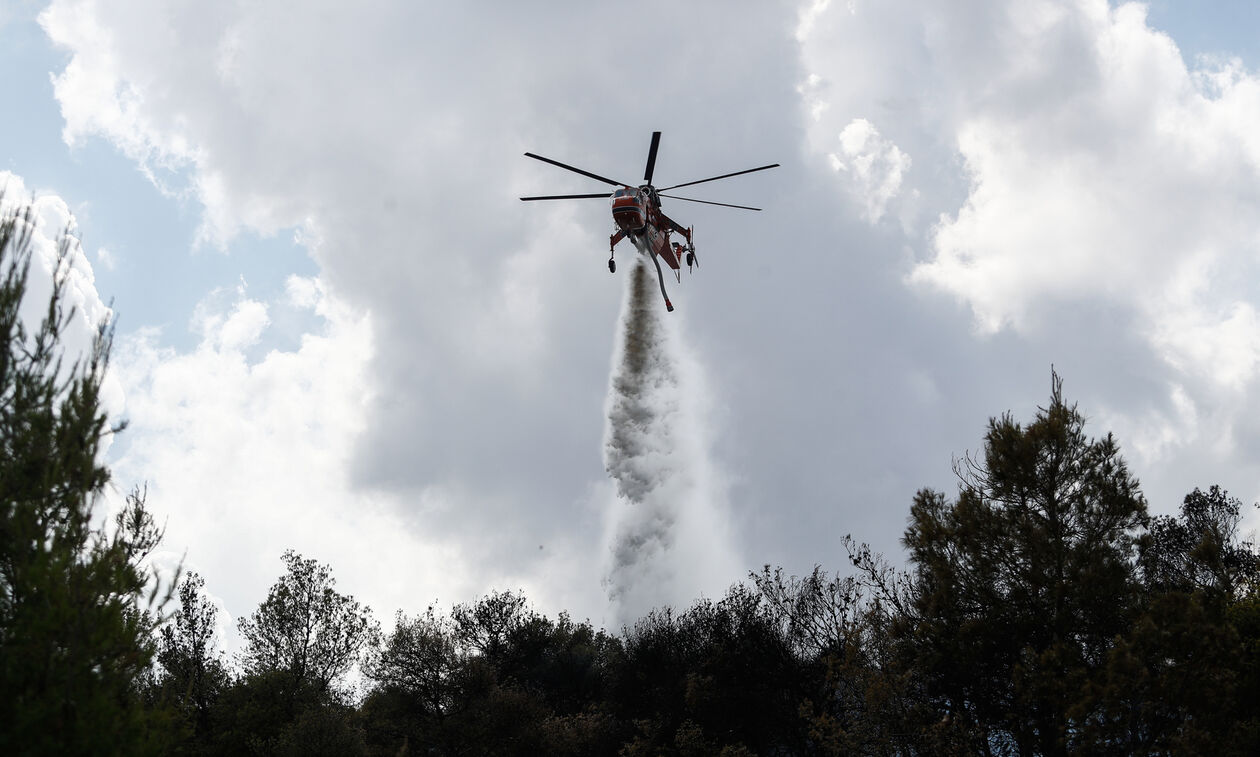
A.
x: 612, y: 266
x: 692, y: 260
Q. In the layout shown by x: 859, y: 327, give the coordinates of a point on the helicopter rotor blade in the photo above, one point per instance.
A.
x: 569, y: 197
x: 709, y: 202
x: 597, y: 177
x: 651, y: 164
x: 723, y: 176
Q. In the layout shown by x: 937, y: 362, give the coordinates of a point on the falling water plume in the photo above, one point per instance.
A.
x: 670, y: 539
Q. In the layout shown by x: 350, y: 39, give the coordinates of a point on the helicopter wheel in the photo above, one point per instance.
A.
x: 691, y: 260
x: 612, y: 266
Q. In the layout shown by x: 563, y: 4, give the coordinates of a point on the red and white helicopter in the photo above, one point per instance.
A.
x: 637, y: 214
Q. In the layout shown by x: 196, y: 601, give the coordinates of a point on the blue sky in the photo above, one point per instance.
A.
x: 1217, y: 28
x: 968, y: 195
x: 157, y: 268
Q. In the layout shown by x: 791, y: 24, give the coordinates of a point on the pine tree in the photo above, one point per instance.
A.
x: 73, y: 637
x: 193, y: 672
x: 1024, y: 581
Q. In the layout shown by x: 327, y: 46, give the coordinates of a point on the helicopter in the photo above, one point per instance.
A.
x: 638, y: 217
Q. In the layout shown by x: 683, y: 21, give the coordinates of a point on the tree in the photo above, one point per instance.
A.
x: 299, y: 645
x: 267, y: 712
x: 860, y: 696
x: 193, y: 672
x: 1244, y: 617
x: 500, y: 678
x: 417, y: 682
x: 564, y: 661
x: 496, y: 677
x: 487, y: 627
x: 1180, y: 679
x: 1024, y: 581
x: 419, y: 660
x: 306, y: 631
x: 720, y: 677
x: 1199, y: 549
x: 74, y: 638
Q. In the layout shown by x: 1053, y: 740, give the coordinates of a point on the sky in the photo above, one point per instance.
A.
x: 339, y: 331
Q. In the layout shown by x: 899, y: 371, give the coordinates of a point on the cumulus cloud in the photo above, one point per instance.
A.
x: 873, y: 166
x: 248, y: 457
x: 1221, y: 345
x: 50, y: 222
x: 1136, y: 185
x: 106, y: 258
x: 1105, y: 175
x: 50, y: 225
x: 1077, y: 164
x: 97, y: 98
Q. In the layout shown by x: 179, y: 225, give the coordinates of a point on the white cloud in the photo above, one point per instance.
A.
x: 249, y: 458
x: 1076, y: 168
x: 873, y: 165
x: 233, y: 331
x: 303, y: 291
x: 95, y: 97
x: 1223, y: 347
x: 106, y: 258
x: 50, y: 222
x: 1105, y: 184
x: 1155, y: 438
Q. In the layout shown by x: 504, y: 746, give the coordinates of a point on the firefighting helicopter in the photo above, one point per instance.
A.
x: 637, y: 214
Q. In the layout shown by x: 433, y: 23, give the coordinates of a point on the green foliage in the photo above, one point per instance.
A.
x: 327, y: 731
x: 1244, y: 618
x: 494, y: 678
x: 1178, y: 680
x: 721, y: 675
x: 418, y: 682
x: 306, y: 631
x: 419, y: 661
x: 865, y: 698
x: 193, y: 673
x: 1044, y: 613
x: 1023, y: 582
x: 266, y: 713
x: 300, y: 644
x: 566, y: 662
x: 1198, y: 551
x: 73, y: 638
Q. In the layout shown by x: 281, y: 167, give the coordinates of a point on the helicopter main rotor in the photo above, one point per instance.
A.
x: 648, y: 172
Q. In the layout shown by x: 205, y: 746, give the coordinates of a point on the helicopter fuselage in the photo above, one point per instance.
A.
x: 637, y: 215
